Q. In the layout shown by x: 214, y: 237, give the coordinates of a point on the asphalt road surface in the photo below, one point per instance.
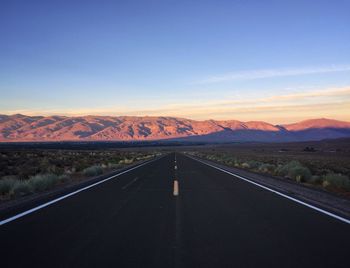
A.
x: 139, y: 219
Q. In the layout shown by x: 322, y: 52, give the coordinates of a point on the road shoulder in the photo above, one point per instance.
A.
x: 12, y: 207
x: 321, y: 199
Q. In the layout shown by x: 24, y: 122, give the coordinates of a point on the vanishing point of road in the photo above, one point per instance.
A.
x: 174, y: 211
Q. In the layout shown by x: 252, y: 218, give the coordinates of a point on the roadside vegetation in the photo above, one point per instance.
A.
x: 322, y: 169
x: 26, y: 172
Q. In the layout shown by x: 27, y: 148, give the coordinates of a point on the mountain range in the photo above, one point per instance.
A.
x: 20, y: 127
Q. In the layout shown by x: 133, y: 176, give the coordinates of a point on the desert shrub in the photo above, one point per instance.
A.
x: 93, y: 171
x: 113, y: 165
x: 212, y: 157
x: 309, y: 149
x: 294, y: 170
x: 254, y: 164
x: 42, y: 182
x: 144, y: 157
x: 6, y: 184
x: 104, y: 166
x: 237, y: 163
x: 21, y: 188
x: 231, y: 162
x: 126, y: 161
x: 267, y: 168
x: 245, y: 165
x: 69, y: 171
x: 337, y: 180
x: 226, y: 159
x: 63, y: 178
x: 282, y: 170
x: 315, y: 179
x: 325, y: 184
x: 299, y: 173
x: 251, y: 164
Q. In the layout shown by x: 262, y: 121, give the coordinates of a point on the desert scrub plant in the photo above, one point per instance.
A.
x: 245, y: 165
x: 254, y: 164
x: 113, y: 165
x: 267, y: 168
x: 144, y: 157
x: 104, y: 166
x: 42, y: 182
x: 315, y: 179
x: 6, y: 184
x: 93, y: 171
x: 251, y: 164
x: 294, y: 170
x: 126, y: 161
x: 237, y: 163
x: 230, y: 161
x: 300, y: 174
x: 21, y: 188
x: 336, y: 180
x: 282, y: 170
x: 213, y: 157
x: 63, y: 178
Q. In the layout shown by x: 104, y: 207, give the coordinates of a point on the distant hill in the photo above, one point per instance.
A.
x: 131, y: 128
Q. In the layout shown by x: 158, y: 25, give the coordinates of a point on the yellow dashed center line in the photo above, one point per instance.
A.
x: 176, y: 188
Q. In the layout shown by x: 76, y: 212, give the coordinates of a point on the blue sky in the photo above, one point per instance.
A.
x: 178, y: 58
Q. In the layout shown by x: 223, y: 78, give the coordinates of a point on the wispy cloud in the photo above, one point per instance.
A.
x: 270, y: 73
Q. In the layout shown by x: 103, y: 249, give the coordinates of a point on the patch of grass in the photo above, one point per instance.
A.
x: 93, y: 171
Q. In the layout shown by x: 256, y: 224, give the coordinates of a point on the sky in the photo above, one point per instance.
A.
x: 276, y: 61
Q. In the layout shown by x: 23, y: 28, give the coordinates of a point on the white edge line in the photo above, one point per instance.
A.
x: 278, y: 193
x: 70, y: 194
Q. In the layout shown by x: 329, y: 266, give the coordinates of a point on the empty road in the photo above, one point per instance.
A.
x: 175, y: 213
